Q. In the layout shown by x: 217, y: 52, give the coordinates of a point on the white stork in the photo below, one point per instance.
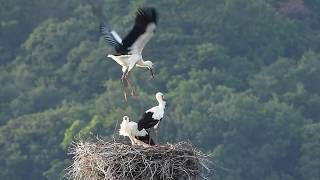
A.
x: 128, y: 52
x: 130, y: 129
x: 153, y: 116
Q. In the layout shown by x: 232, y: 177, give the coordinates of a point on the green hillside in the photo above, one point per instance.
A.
x: 241, y: 79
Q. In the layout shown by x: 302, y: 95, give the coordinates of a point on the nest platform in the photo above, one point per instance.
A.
x: 111, y: 160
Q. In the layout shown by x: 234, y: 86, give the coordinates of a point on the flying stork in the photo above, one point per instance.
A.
x: 130, y: 129
x: 152, y: 117
x: 128, y: 52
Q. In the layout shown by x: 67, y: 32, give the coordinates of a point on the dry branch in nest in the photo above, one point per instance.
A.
x: 99, y: 160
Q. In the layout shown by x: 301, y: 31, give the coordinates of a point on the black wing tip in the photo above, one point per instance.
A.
x: 103, y: 27
x: 109, y: 38
x: 150, y: 9
x: 147, y: 14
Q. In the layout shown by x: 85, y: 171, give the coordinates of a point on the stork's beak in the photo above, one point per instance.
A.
x: 151, y: 71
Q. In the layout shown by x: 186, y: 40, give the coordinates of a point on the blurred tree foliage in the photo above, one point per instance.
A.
x: 241, y: 79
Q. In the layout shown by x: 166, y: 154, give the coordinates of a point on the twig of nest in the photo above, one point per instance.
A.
x: 111, y: 160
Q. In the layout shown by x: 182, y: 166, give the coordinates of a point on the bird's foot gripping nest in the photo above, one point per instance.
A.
x: 97, y: 160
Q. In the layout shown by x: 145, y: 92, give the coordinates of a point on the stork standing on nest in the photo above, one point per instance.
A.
x: 152, y: 117
x: 129, y: 50
x: 130, y: 129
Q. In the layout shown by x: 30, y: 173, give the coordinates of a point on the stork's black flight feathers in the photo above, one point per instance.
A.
x: 145, y: 17
x: 110, y: 37
x: 140, y: 34
x: 147, y: 121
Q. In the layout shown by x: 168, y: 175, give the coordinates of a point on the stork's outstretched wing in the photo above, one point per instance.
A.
x: 142, y: 31
x: 111, y: 37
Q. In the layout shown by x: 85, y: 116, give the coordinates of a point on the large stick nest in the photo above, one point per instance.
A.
x: 101, y: 160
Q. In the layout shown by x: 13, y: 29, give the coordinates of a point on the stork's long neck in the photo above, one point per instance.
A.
x: 142, y: 63
x: 162, y: 104
x: 145, y: 64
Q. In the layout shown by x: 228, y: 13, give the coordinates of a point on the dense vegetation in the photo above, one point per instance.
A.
x: 242, y: 80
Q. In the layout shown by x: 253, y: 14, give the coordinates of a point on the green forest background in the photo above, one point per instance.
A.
x: 241, y: 78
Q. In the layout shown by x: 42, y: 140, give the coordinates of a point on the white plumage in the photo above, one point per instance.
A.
x: 142, y: 40
x: 153, y: 116
x: 129, y: 50
x: 116, y: 36
x: 128, y: 128
x: 157, y: 111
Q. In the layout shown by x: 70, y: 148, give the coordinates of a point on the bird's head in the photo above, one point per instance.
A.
x: 160, y: 98
x: 125, y: 118
x: 149, y: 65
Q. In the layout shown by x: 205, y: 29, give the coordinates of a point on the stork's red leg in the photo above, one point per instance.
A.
x: 156, y: 135
x: 132, y: 91
x: 124, y: 85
